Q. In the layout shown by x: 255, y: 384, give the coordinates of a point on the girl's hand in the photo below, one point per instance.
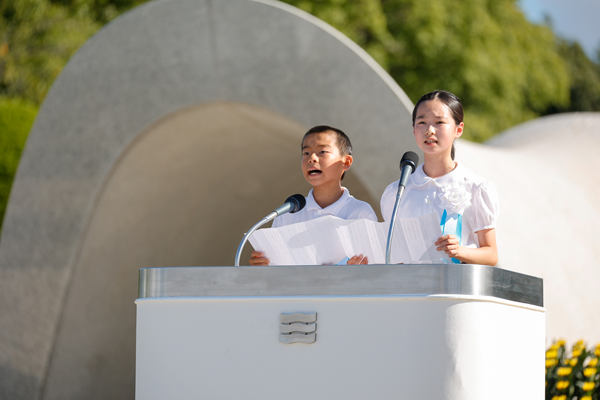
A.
x: 449, y: 245
x: 356, y: 260
x: 258, y: 259
x: 485, y: 254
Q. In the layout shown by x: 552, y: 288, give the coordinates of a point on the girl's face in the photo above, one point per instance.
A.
x: 435, y: 129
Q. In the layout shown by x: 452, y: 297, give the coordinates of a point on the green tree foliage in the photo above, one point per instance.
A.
x: 102, y: 11
x: 37, y: 38
x: 585, y: 84
x: 16, y: 118
x: 363, y: 21
x: 505, y: 69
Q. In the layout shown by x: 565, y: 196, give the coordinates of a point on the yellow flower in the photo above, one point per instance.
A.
x: 593, y: 362
x: 589, y: 372
x: 551, y: 354
x: 555, y: 346
x: 571, y: 361
x: 562, y: 343
x: 564, y: 371
x: 588, y: 386
x: 560, y: 385
x: 576, y: 352
x: 586, y: 398
x: 561, y: 397
x: 551, y: 362
x: 597, y: 352
x: 579, y: 343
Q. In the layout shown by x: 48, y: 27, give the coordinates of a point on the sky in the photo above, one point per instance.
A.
x: 572, y: 19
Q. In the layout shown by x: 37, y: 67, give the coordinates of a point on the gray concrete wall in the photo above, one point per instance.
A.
x: 165, y: 138
x: 548, y: 180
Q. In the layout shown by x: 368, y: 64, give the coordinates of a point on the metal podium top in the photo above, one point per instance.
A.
x: 406, y: 279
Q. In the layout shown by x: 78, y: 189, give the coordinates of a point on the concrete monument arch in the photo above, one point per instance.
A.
x: 177, y: 126
x: 166, y: 137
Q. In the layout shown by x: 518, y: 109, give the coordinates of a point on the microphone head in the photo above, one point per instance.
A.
x: 411, y: 159
x: 298, y: 202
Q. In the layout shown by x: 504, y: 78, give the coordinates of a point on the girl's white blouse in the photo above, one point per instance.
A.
x: 458, y: 192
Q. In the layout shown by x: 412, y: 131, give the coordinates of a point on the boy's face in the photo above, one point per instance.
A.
x: 322, y: 163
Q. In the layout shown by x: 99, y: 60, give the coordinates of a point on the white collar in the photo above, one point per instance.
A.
x: 420, y: 178
x: 333, y: 209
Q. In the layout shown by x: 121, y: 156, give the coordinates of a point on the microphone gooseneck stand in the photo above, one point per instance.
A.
x: 263, y: 221
x: 292, y: 204
x: 408, y: 165
x: 388, y: 247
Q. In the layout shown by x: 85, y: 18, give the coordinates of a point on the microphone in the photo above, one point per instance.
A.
x: 292, y: 205
x: 408, y: 165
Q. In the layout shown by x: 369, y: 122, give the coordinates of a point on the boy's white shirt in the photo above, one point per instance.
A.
x: 347, y: 207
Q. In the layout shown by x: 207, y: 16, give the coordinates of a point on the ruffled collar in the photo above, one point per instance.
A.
x: 420, y: 178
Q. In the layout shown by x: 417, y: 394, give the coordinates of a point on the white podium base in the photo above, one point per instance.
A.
x: 367, y: 347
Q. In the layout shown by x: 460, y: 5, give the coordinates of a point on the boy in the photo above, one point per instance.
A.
x: 326, y: 156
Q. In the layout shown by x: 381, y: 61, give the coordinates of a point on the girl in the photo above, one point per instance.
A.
x: 466, y: 204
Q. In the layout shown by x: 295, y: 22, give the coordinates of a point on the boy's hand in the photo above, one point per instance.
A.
x: 359, y: 259
x: 258, y: 259
x: 449, y: 245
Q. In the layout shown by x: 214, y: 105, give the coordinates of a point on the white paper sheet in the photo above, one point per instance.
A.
x: 328, y: 240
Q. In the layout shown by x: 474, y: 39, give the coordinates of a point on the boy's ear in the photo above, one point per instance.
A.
x: 347, y: 162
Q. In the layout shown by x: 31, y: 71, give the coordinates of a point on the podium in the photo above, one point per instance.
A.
x: 456, y: 331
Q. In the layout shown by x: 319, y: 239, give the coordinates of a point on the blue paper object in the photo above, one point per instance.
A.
x: 458, y: 231
x: 344, y: 261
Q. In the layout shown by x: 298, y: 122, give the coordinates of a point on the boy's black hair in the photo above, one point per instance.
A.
x: 341, y: 139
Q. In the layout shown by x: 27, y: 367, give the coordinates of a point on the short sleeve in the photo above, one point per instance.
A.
x: 369, y: 214
x: 360, y: 210
x: 485, y: 206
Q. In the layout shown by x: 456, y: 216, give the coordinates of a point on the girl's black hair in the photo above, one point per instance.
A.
x: 450, y: 100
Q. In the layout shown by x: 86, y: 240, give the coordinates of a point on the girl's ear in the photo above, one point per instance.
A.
x: 459, y: 130
x: 347, y: 162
